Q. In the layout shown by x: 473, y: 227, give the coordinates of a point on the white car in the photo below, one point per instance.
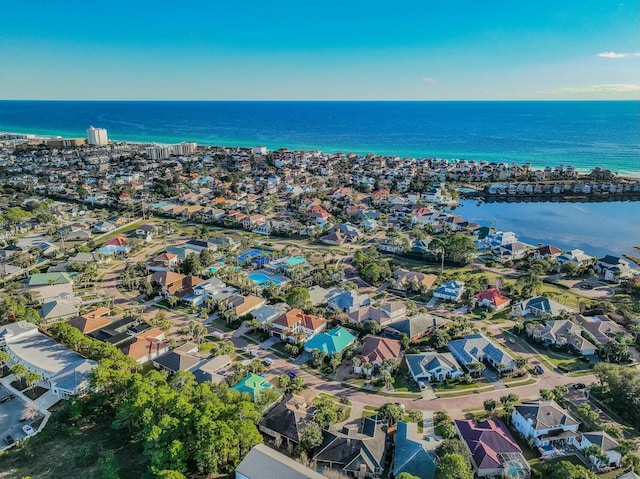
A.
x: 422, y: 385
x: 28, y: 430
x: 268, y: 361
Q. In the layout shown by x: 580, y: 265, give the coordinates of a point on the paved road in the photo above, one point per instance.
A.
x: 547, y: 380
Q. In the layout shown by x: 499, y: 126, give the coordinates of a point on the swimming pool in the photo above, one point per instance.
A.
x: 252, y: 253
x: 294, y: 261
x: 213, y: 269
x: 261, y: 278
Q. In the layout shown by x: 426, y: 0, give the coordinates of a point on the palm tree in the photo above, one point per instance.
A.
x: 4, y: 359
x: 19, y: 371
x: 31, y: 378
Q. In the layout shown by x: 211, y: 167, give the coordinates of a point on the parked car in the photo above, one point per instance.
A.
x: 7, y: 397
x: 291, y: 374
x: 422, y: 385
x: 511, y: 340
x: 9, y: 440
x: 538, y: 369
x: 254, y: 352
x: 28, y: 430
x: 268, y: 361
x: 579, y: 386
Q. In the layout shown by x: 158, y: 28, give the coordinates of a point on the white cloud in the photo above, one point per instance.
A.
x: 429, y: 80
x: 598, y: 89
x: 617, y: 55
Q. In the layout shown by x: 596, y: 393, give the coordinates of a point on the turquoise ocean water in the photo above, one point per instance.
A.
x: 579, y: 133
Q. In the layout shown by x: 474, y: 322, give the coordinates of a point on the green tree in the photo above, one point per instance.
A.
x: 406, y: 475
x: 391, y: 412
x: 110, y: 469
x: 386, y: 378
x: 489, y: 405
x: 564, y: 470
x: 325, y: 413
x: 191, y: 265
x: 19, y: 371
x: 298, y: 298
x: 170, y: 474
x: 284, y: 381
x: 452, y: 446
x: 172, y: 301
x: 310, y: 437
x: 453, y: 466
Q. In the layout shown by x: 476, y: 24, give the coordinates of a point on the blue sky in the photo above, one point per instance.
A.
x: 320, y: 50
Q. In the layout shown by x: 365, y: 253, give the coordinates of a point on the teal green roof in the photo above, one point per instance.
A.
x: 253, y: 384
x: 333, y: 341
x: 41, y: 279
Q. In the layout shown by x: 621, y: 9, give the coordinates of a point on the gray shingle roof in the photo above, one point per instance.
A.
x: 265, y: 463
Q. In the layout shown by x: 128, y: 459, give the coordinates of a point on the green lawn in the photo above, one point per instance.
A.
x: 463, y: 387
x: 402, y: 383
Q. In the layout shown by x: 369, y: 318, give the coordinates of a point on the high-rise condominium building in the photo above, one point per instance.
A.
x: 97, y: 136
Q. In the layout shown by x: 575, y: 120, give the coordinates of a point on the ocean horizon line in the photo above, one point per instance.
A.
x: 156, y: 100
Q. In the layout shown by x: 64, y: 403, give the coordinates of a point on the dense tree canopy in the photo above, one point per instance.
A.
x: 620, y: 390
x: 453, y: 466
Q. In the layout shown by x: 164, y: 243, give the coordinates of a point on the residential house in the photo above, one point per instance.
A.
x: 417, y: 326
x: 65, y: 372
x: 287, y: 419
x: 539, y: 306
x: 546, y: 423
x: 348, y: 302
x: 121, y: 331
x: 87, y: 258
x: 267, y: 314
x: 449, y: 290
x: 413, y: 453
x: 183, y: 358
x: 174, y: 284
x: 210, y: 370
x: 385, y: 314
x: 475, y: 348
x: 576, y: 256
x: 335, y: 238
x: 613, y: 268
x: 546, y: 251
x: 60, y: 309
x: 511, y: 251
x: 405, y: 280
x: 103, y: 227
x: 162, y: 262
x: 492, y: 299
x: 145, y: 232
x: 93, y: 321
x: 263, y: 462
x: 200, y: 245
x: 147, y: 346
x: 49, y: 286
x: 242, y: 305
x: 254, y: 385
x: 602, y: 329
x: 494, y: 451
x: 320, y: 295
x: 115, y: 246
x: 561, y: 332
x: 375, y: 350
x: 333, y: 341
x: 433, y: 366
x: 296, y: 326
x: 608, y: 445
x: 357, y: 453
x: 211, y: 289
